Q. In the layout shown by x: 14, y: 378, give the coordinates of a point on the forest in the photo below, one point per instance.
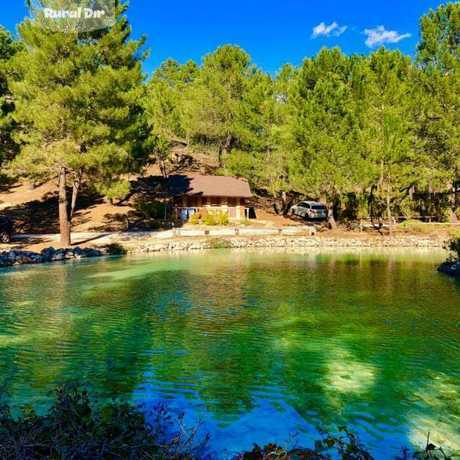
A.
x: 374, y: 136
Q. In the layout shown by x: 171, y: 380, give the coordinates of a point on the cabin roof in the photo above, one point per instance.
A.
x: 201, y: 185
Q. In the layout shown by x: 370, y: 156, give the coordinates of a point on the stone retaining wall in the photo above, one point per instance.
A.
x: 143, y: 244
x: 188, y: 244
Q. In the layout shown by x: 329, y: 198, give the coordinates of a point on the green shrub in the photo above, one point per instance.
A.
x: 151, y: 209
x: 115, y: 249
x: 216, y: 218
x: 76, y: 428
x: 220, y: 243
x: 454, y: 247
x: 416, y: 226
x: 222, y: 218
x: 194, y: 219
x: 209, y: 219
x: 345, y: 446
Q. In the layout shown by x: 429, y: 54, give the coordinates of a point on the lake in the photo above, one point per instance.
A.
x: 258, y: 345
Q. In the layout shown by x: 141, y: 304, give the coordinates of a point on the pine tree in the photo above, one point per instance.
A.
x: 389, y: 131
x: 214, y: 109
x: 263, y: 156
x: 323, y: 129
x: 164, y: 108
x: 8, y: 48
x: 439, y: 100
x: 77, y: 98
x: 439, y: 45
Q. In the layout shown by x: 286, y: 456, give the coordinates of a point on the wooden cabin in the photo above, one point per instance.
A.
x: 199, y: 193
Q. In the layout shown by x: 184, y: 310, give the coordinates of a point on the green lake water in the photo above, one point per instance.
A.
x: 261, y: 346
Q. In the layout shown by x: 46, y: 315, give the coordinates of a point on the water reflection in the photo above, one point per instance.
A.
x: 258, y: 344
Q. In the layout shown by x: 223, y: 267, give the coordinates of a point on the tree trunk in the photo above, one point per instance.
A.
x: 457, y: 194
x: 430, y: 201
x: 75, y: 190
x: 454, y: 204
x: 286, y: 203
x: 390, y: 217
x: 330, y: 216
x: 224, y: 149
x: 219, y: 156
x: 64, y: 223
x: 163, y: 171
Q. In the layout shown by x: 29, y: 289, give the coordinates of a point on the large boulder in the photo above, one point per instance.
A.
x: 47, y: 254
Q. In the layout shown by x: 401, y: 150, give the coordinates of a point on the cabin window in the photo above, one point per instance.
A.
x: 215, y: 201
x: 192, y: 201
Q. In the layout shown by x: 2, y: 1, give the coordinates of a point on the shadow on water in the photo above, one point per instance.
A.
x: 262, y: 346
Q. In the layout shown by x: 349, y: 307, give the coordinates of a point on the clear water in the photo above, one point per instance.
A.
x: 261, y: 346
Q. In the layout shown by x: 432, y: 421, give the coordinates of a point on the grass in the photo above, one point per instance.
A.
x: 412, y: 226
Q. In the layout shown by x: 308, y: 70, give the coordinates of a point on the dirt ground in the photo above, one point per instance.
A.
x: 35, y: 211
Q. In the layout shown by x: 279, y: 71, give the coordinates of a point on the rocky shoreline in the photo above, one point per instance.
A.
x: 145, y: 246
x: 18, y: 257
x: 142, y: 244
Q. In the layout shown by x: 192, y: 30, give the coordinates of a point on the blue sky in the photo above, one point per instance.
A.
x: 272, y: 31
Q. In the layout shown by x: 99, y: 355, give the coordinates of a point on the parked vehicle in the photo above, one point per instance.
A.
x: 310, y: 210
x: 6, y: 230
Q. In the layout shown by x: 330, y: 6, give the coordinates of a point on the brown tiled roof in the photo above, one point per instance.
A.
x: 195, y: 184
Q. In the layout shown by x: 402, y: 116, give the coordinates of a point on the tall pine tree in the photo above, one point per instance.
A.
x: 8, y: 48
x: 439, y: 100
x: 77, y: 97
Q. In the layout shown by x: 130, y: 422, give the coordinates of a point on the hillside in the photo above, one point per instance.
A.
x: 34, y: 208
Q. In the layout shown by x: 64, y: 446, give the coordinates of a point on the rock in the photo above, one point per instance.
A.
x: 58, y: 256
x: 135, y: 245
x: 450, y: 268
x: 50, y: 254
x: 47, y: 254
x: 89, y: 252
x: 5, y: 261
x: 16, y: 257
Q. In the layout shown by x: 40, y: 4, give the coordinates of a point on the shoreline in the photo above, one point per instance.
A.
x: 144, y: 243
x: 145, y: 246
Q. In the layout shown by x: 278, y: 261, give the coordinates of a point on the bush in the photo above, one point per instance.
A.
x: 77, y: 428
x: 345, y: 446
x: 416, y: 226
x: 209, y: 219
x: 74, y: 427
x: 151, y: 209
x: 115, y: 249
x: 220, y: 243
x: 222, y: 218
x: 194, y: 219
x: 216, y: 218
x: 454, y: 247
